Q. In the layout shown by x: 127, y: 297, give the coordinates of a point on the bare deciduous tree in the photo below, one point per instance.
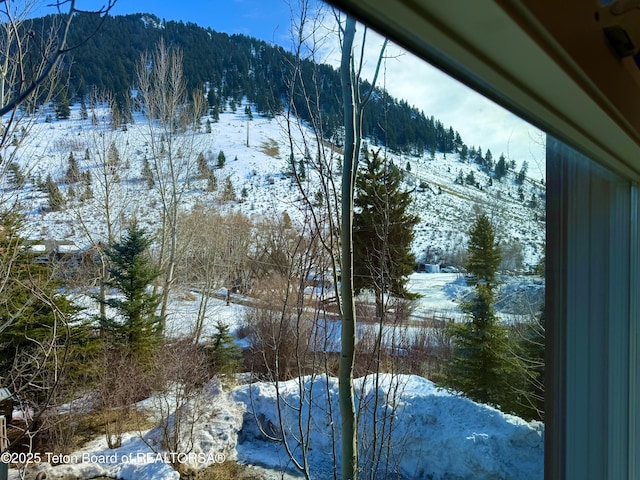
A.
x: 215, y: 254
x: 173, y: 143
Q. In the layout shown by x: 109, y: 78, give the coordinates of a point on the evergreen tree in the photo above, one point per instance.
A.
x: 84, y: 114
x: 131, y: 274
x: 215, y: 113
x: 147, y: 173
x: 73, y: 171
x: 484, y: 365
x: 203, y: 166
x: 15, y: 176
x: 483, y: 253
x: 221, y: 159
x: 382, y: 231
x: 63, y: 109
x: 500, y: 169
x: 488, y: 161
x: 464, y: 153
x: 34, y: 314
x: 522, y: 174
x: 113, y: 156
x: 56, y: 200
x: 470, y: 179
x: 212, y: 182
x: 226, y: 354
x: 228, y: 192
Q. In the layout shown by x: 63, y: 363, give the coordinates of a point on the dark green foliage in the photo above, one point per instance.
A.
x: 15, y: 176
x: 484, y: 364
x: 228, y: 192
x: 131, y: 273
x: 470, y: 179
x: 464, y: 153
x: 73, y: 171
x: 382, y: 231
x: 34, y: 315
x: 522, y: 174
x: 84, y: 114
x: 56, y: 200
x: 226, y: 354
x: 483, y: 254
x: 236, y: 66
x: 501, y: 168
x: 113, y: 156
x: 221, y: 159
x: 203, y: 166
x: 63, y: 109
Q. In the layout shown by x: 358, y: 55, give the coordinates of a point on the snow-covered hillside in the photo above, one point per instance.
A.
x: 257, y: 155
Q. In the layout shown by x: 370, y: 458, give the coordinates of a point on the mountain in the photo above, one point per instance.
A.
x: 235, y: 67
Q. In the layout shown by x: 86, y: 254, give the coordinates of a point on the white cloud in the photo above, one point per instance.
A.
x: 479, y: 121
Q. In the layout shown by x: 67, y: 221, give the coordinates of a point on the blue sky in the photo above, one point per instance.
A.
x: 479, y: 121
x: 264, y: 19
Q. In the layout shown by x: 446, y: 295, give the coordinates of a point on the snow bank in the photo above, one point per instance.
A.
x: 408, y: 429
x: 421, y: 431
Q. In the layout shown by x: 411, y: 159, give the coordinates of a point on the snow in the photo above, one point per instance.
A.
x: 435, y: 434
x: 431, y: 433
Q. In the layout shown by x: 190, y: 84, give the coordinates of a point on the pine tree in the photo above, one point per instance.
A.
x: 63, y: 109
x: 34, y: 314
x: 382, y: 231
x: 483, y: 254
x: 221, y: 159
x: 212, y: 182
x: 73, y: 171
x: 147, y: 173
x: 228, y: 192
x: 56, y: 200
x: 131, y: 274
x: 84, y: 114
x: 484, y: 365
x: 522, y: 174
x: 500, y: 169
x: 113, y: 156
x: 15, y: 176
x: 203, y: 166
x: 226, y: 354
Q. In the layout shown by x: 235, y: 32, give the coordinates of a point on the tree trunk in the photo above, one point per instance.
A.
x: 348, y: 336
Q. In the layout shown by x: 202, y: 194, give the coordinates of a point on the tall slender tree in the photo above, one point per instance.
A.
x: 169, y: 109
x: 484, y: 366
x: 383, y: 231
